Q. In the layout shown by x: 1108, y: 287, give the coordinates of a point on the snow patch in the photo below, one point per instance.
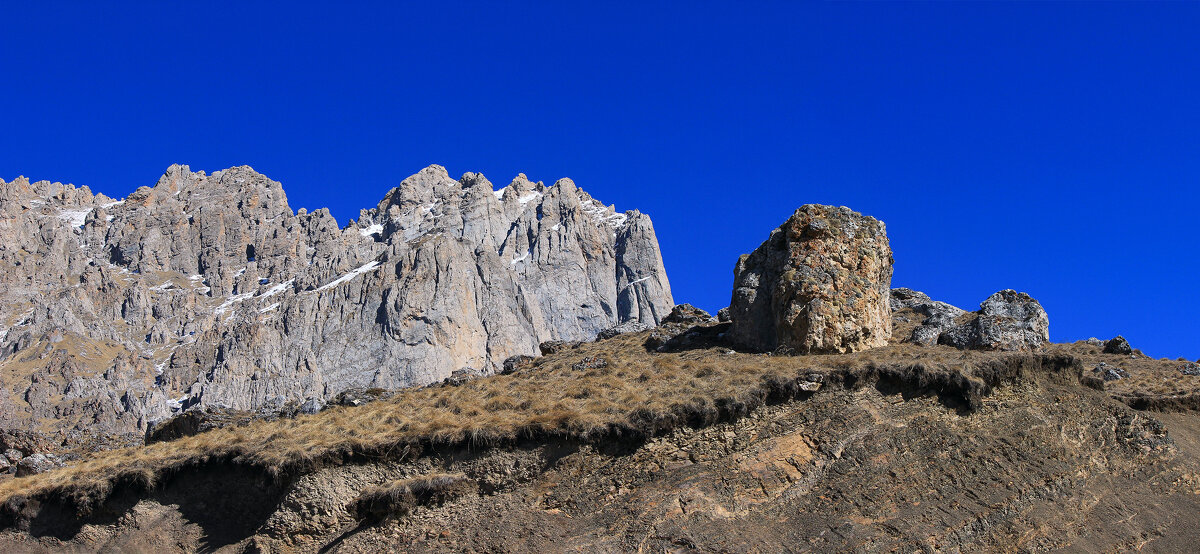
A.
x: 352, y: 274
x: 499, y: 193
x: 74, y: 217
x: 372, y: 230
x: 603, y: 214
x: 268, y: 308
x: 229, y: 302
x: 278, y: 288
x: 634, y: 282
x: 519, y: 260
x: 529, y: 197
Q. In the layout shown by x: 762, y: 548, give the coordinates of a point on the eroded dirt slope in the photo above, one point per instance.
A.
x: 873, y: 461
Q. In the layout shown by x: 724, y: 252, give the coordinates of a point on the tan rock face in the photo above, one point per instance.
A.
x: 819, y: 284
x: 209, y: 290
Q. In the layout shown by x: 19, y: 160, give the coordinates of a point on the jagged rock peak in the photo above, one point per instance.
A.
x: 208, y: 290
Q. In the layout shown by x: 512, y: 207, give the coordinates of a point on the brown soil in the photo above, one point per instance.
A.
x: 900, y: 448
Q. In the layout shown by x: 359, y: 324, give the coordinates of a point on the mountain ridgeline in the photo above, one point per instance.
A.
x: 209, y: 290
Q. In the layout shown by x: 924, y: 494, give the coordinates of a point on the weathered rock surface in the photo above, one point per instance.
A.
x: 1007, y: 320
x: 819, y: 284
x: 623, y: 328
x: 208, y: 290
x: 688, y: 314
x: 939, y: 316
x: 1110, y: 373
x: 1118, y: 345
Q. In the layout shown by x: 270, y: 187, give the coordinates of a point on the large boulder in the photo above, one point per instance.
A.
x: 819, y: 284
x: 1007, y: 320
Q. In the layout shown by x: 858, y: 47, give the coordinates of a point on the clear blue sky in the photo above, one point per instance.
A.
x: 1050, y: 148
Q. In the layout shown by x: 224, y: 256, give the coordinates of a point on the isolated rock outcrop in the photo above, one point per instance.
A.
x: 820, y: 283
x: 208, y: 290
x: 1007, y: 320
x: 1118, y: 345
x: 1110, y: 373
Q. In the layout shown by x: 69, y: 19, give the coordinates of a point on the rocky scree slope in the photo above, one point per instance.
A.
x: 209, y: 290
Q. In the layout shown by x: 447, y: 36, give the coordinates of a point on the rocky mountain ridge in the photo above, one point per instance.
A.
x: 822, y: 411
x: 209, y: 290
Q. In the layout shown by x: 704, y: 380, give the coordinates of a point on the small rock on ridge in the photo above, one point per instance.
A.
x: 1006, y: 320
x: 1118, y: 345
x: 687, y: 313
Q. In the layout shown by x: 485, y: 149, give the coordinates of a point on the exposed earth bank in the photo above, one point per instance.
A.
x: 899, y: 448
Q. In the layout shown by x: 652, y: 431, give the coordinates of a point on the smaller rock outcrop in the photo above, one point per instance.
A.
x: 687, y: 313
x: 623, y: 328
x: 683, y: 323
x: 1007, y: 320
x: 1110, y: 373
x: 1118, y: 345
x: 37, y: 463
x: 551, y: 346
x: 939, y: 316
x: 819, y: 284
x: 514, y: 363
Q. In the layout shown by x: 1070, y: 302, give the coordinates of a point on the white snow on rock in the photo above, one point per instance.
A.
x: 229, y: 302
x: 529, y: 198
x: 372, y: 230
x: 352, y: 274
x: 634, y: 282
x: 278, y: 288
x: 74, y: 217
x: 606, y: 215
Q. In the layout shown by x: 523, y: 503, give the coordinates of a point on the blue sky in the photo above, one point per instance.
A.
x: 1050, y: 148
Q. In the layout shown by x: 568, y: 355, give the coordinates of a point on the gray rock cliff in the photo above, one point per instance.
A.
x: 209, y: 290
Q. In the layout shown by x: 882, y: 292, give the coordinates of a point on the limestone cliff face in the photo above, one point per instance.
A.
x: 207, y: 289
